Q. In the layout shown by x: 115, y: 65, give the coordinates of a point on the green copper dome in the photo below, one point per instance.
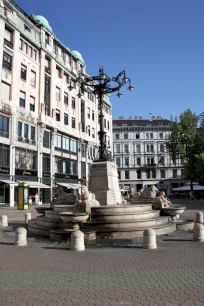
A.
x: 42, y: 21
x: 78, y: 56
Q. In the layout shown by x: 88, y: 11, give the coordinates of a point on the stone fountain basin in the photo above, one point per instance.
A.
x: 174, y: 210
x: 76, y: 218
x: 42, y: 209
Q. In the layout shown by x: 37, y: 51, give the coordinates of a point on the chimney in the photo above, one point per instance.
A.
x: 153, y: 117
x: 121, y: 118
x: 130, y: 118
x: 158, y: 117
x: 140, y: 117
x: 136, y: 118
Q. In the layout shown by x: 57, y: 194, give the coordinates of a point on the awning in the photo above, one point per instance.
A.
x: 70, y: 185
x: 188, y: 188
x: 32, y: 184
x: 9, y: 182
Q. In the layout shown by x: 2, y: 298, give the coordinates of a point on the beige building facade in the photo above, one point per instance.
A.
x: 48, y: 134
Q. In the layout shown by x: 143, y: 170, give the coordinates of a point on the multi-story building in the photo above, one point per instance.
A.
x: 48, y: 134
x: 140, y: 153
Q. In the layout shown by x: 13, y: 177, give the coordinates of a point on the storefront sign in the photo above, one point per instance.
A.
x: 26, y: 172
x: 46, y: 174
x: 4, y: 170
x: 66, y: 176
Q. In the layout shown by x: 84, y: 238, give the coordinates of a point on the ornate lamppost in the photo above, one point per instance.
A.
x: 102, y: 85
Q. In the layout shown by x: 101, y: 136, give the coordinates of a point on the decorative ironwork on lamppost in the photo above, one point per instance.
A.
x: 102, y: 85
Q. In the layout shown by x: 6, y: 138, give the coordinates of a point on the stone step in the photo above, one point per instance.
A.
x: 124, y: 224
x: 38, y: 230
x: 46, y: 223
x: 126, y: 216
x: 133, y: 233
x: 53, y: 215
x: 63, y: 208
x: 119, y: 209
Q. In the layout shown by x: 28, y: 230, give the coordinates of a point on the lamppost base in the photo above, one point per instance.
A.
x: 103, y: 182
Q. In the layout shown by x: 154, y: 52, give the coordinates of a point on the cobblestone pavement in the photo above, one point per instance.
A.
x: 45, y: 273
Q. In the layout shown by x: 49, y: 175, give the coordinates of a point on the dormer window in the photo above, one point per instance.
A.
x: 47, y: 38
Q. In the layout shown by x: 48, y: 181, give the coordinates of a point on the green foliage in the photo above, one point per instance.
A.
x: 186, y: 141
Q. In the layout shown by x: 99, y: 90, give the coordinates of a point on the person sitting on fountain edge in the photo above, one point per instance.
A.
x: 164, y: 199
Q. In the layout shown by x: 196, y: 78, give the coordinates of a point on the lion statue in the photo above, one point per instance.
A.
x: 149, y: 193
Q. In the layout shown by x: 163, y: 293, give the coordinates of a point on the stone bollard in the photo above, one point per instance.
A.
x: 199, y: 217
x: 4, y: 221
x: 198, y: 232
x: 21, y: 236
x: 149, y: 239
x: 77, y: 241
x: 27, y: 217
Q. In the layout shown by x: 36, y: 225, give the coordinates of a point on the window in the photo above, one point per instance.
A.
x: 182, y: 173
x: 57, y: 113
x: 127, y: 161
x: 32, y: 104
x: 46, y: 139
x: 7, y: 61
x: 26, y: 131
x: 126, y: 148
x: 118, y: 161
x: 105, y: 123
x: 65, y: 143
x: 138, y: 174
x: 174, y: 173
x: 93, y: 133
x: 161, y: 147
x: 57, y: 93
x: 66, y: 98
x: 153, y: 174
x: 30, y: 51
x: 88, y: 112
x: 21, y: 44
x: 58, y: 71
x: 125, y: 135
x: 117, y: 136
x: 148, y: 174
x: 47, y: 38
x: 58, y: 141
x: 161, y: 135
x: 161, y: 160
x: 93, y: 117
x: 162, y: 173
x: 46, y: 163
x: 73, y: 103
x: 127, y: 175
x: 117, y: 148
x: 23, y: 72
x: 138, y: 161
x: 25, y: 159
x: 108, y: 125
x: 147, y: 135
x: 8, y: 38
x: 35, y: 55
x: 73, y: 123
x: 32, y: 133
x: 65, y: 119
x: 152, y: 148
x: 19, y: 129
x: 4, y: 155
x: 33, y: 78
x: 22, y: 99
x: 73, y: 145
x: 47, y: 65
x: 26, y: 28
x: 119, y: 175
x: 151, y: 135
x: 138, y: 150
x: 137, y: 136
x: 66, y: 77
x: 4, y: 126
x: 5, y: 92
x: 89, y: 130
x: 26, y: 48
x: 83, y: 151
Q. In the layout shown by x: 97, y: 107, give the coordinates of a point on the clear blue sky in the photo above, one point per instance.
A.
x: 160, y: 43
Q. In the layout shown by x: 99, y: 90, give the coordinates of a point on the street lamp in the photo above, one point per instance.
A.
x: 102, y: 85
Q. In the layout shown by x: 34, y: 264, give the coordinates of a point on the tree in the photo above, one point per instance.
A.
x: 186, y: 142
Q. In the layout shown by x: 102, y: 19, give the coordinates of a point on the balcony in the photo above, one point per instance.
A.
x: 8, y: 43
x: 148, y: 166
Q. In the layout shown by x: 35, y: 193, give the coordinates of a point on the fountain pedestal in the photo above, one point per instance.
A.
x: 103, y: 182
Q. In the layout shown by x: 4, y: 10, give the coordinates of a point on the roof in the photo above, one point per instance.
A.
x: 141, y: 122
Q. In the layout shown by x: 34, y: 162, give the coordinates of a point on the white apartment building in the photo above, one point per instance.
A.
x: 140, y: 153
x: 48, y: 134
